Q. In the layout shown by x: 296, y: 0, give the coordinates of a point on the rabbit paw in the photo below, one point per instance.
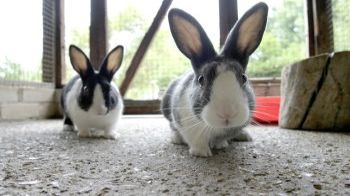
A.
x: 110, y: 135
x: 68, y: 128
x: 221, y: 144
x: 84, y: 133
x: 176, y: 138
x: 201, y: 152
x: 242, y: 136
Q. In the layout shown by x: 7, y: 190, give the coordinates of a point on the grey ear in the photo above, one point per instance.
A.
x: 112, y: 62
x: 190, y: 37
x: 247, y: 33
x: 80, y: 62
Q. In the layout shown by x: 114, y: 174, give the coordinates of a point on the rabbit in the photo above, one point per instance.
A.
x: 213, y: 103
x: 90, y: 100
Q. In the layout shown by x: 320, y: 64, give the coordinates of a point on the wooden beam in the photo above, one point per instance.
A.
x: 143, y: 47
x: 319, y: 27
x: 310, y: 27
x: 48, y: 57
x: 142, y: 107
x: 228, y: 17
x: 98, y: 32
x: 324, y: 26
x: 60, y: 67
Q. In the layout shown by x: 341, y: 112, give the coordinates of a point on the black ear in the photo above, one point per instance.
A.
x: 190, y: 38
x: 112, y: 62
x: 247, y: 33
x: 80, y: 62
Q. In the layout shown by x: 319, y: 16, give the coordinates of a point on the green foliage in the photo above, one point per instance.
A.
x: 283, y: 41
x: 162, y: 63
x: 341, y: 24
x: 131, y: 24
x: 11, y: 70
x: 128, y: 20
x: 81, y: 39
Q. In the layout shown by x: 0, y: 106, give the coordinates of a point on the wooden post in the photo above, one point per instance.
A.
x: 310, y: 27
x: 48, y: 58
x: 228, y: 17
x: 324, y: 27
x: 320, y: 27
x: 98, y: 32
x: 143, y: 47
x: 60, y: 67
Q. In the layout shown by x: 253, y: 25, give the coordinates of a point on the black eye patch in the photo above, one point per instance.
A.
x: 244, y: 78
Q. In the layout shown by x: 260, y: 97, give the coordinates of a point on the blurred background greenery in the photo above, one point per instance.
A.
x: 284, y: 41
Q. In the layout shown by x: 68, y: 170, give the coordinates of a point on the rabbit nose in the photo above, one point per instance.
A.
x: 102, y: 110
x: 225, y: 118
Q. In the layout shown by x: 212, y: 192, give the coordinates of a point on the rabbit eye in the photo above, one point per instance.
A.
x: 244, y: 78
x: 112, y: 101
x: 85, y: 89
x: 201, y: 80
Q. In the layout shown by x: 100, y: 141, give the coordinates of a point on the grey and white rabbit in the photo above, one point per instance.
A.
x: 212, y: 104
x: 90, y: 100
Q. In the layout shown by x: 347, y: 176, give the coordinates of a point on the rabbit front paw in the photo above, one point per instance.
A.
x: 68, y: 128
x: 221, y: 144
x: 201, y: 152
x: 110, y: 135
x: 242, y: 136
x: 84, y: 133
x: 176, y: 138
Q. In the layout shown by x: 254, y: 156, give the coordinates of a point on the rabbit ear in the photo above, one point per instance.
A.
x: 80, y: 62
x: 247, y: 33
x: 190, y: 38
x: 112, y: 62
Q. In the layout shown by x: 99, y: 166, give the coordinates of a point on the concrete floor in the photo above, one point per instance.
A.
x: 36, y: 157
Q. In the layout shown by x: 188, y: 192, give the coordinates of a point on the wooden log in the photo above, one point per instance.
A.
x: 315, y: 93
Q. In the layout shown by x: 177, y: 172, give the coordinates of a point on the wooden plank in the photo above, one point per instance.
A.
x: 60, y: 67
x: 143, y: 47
x: 98, y: 32
x: 228, y: 17
x: 142, y: 107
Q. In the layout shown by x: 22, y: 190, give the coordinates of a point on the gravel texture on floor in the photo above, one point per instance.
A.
x: 37, y: 157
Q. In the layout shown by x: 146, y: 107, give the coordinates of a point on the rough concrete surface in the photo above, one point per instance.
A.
x: 38, y: 158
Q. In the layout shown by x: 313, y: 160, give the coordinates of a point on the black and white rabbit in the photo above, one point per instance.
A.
x: 90, y: 100
x: 212, y: 104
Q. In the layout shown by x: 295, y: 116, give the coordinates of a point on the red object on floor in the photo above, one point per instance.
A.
x: 267, y: 110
